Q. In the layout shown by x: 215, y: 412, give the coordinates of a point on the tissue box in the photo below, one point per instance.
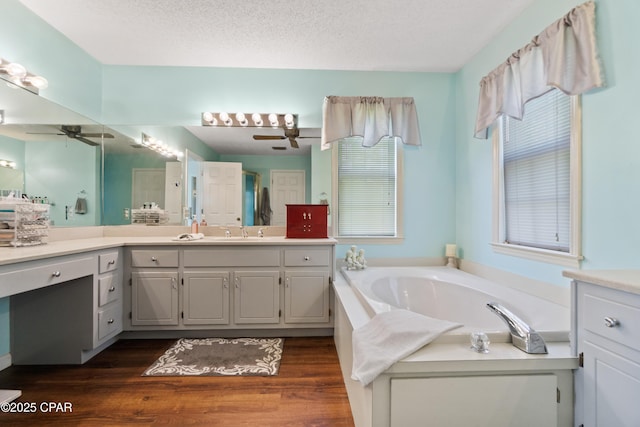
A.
x: 307, y: 221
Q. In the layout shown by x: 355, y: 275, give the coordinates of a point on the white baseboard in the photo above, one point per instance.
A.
x: 5, y: 361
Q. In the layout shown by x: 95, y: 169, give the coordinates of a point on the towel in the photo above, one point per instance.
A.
x: 389, y: 337
x: 265, y: 207
x: 189, y: 236
x: 81, y: 206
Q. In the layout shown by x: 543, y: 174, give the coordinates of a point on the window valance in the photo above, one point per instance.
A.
x: 564, y: 56
x: 369, y: 117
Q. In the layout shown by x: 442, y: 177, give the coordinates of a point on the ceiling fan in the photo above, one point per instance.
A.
x: 291, y: 134
x: 75, y: 132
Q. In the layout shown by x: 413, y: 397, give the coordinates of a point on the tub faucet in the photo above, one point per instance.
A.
x: 522, y: 335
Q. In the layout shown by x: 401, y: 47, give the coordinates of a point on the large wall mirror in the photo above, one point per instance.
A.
x: 94, y: 174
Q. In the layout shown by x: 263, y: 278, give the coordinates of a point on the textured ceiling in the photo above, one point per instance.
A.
x: 390, y: 35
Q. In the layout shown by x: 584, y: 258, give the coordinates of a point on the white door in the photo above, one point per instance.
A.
x: 222, y: 193
x: 287, y: 187
x: 147, y: 187
x: 173, y: 192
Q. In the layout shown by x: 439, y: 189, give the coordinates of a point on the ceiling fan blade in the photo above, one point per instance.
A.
x: 268, y: 137
x: 45, y: 133
x: 86, y: 141
x: 294, y: 143
x: 95, y: 135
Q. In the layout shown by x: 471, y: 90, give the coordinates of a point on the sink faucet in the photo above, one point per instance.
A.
x: 522, y: 335
x: 227, y: 232
x: 261, y: 232
x: 244, y: 231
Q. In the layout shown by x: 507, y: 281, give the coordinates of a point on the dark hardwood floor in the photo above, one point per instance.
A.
x: 109, y: 390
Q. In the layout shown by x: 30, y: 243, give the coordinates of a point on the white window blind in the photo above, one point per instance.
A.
x: 367, y: 188
x: 536, y: 167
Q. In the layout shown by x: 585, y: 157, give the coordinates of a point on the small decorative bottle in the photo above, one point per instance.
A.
x: 194, y: 225
x: 203, y: 222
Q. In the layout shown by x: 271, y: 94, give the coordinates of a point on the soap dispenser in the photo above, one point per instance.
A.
x: 203, y: 222
x: 194, y: 225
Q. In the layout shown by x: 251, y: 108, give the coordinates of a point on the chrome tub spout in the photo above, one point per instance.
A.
x: 522, y: 335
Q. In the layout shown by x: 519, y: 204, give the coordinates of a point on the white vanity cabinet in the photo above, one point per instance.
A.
x: 230, y: 286
x: 307, y: 285
x: 64, y: 309
x: 606, y: 337
x: 154, y: 287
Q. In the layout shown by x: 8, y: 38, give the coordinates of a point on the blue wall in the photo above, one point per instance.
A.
x: 611, y: 155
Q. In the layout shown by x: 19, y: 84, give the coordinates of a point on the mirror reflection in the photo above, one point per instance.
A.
x: 97, y: 175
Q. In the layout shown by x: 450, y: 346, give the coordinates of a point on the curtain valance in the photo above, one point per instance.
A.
x: 369, y: 117
x: 564, y: 56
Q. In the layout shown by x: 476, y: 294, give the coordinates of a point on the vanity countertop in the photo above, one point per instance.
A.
x: 623, y: 280
x: 75, y: 246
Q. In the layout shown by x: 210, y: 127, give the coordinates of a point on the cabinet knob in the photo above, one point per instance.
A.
x: 55, y: 274
x: 307, y: 258
x: 110, y: 321
x: 154, y: 259
x: 611, y: 322
x: 112, y: 289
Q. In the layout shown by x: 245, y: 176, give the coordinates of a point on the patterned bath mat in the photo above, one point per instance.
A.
x: 220, y: 357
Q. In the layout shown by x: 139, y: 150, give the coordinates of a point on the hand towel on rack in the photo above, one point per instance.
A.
x: 389, y: 337
x: 265, y: 207
x: 81, y: 206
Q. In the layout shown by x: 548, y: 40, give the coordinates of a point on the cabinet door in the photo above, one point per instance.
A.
x: 306, y: 297
x: 206, y: 298
x: 154, y: 298
x: 611, y: 389
x: 257, y: 296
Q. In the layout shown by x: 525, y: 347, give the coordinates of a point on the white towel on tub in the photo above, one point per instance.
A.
x: 391, y: 336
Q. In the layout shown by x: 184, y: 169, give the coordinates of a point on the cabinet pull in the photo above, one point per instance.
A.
x: 304, y: 215
x: 112, y: 289
x: 225, y: 283
x: 111, y: 262
x: 110, y: 321
x: 173, y: 283
x: 237, y: 283
x: 309, y: 215
x: 55, y: 274
x: 286, y: 282
x: 611, y: 322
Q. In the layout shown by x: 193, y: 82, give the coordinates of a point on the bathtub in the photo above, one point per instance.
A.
x: 440, y: 378
x: 454, y: 295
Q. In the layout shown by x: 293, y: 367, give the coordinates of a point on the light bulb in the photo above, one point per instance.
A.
x: 273, y: 119
x: 208, y: 119
x: 16, y: 70
x: 37, y: 81
x: 240, y: 117
x: 225, y: 118
x: 257, y: 119
x: 288, y: 120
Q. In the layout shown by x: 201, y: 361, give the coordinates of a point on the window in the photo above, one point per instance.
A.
x: 367, y: 189
x: 537, y: 210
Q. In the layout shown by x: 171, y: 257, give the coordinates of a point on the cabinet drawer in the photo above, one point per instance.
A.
x: 232, y: 257
x: 600, y: 312
x: 306, y: 257
x: 38, y: 274
x: 107, y: 262
x: 109, y: 321
x: 109, y: 289
x: 154, y: 258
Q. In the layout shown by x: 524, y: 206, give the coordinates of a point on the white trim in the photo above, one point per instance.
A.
x: 5, y: 361
x: 571, y: 259
x: 536, y: 254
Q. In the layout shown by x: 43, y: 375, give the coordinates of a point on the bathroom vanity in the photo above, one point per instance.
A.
x: 606, y: 337
x: 72, y: 299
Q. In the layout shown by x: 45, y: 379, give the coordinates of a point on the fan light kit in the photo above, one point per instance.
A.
x: 159, y: 146
x: 18, y: 75
x: 224, y: 119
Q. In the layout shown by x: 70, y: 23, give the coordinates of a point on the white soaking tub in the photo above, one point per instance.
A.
x: 446, y: 383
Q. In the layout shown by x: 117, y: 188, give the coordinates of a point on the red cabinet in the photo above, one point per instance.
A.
x: 307, y: 221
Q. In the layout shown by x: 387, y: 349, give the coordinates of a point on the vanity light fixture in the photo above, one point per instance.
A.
x: 18, y: 75
x: 274, y: 120
x: 159, y: 146
x: 1, y: 117
x: 7, y: 164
